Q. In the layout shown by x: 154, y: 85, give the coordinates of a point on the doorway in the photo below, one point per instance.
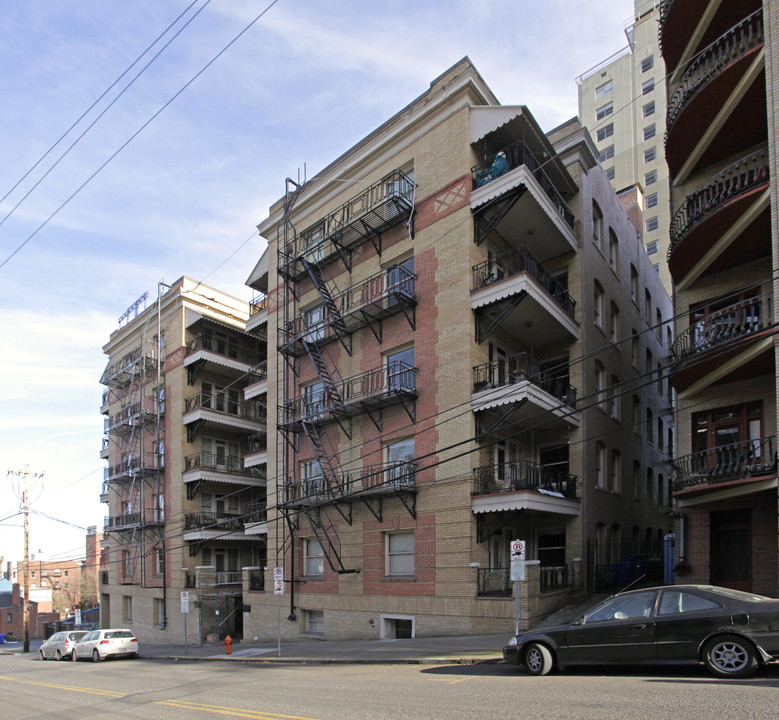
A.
x: 730, y: 549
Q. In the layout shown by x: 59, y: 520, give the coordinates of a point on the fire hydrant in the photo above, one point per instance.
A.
x: 228, y: 645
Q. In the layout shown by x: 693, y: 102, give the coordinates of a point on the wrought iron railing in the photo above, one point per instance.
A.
x: 518, y: 368
x: 222, y: 404
x: 256, y: 579
x: 519, y: 154
x: 137, y: 413
x: 723, y: 326
x: 258, y: 511
x: 522, y: 475
x: 122, y: 371
x: 236, y: 350
x: 520, y: 260
x: 709, y: 63
x: 737, y: 179
x: 145, y: 463
x: 665, y: 8
x: 212, y: 521
x: 555, y: 577
x: 734, y: 461
x: 120, y: 521
x: 493, y: 582
x: 258, y: 304
x: 211, y: 461
x: 258, y: 372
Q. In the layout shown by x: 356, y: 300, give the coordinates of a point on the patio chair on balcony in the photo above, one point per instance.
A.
x: 500, y: 166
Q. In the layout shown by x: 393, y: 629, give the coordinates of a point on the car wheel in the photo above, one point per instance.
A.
x: 538, y: 659
x: 95, y: 656
x: 74, y: 656
x: 41, y: 656
x: 58, y: 655
x: 730, y: 656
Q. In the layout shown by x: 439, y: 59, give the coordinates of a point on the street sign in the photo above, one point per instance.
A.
x: 518, y: 549
x: 185, y: 602
x: 78, y: 617
x: 185, y: 596
x: 517, y: 570
x: 278, y: 581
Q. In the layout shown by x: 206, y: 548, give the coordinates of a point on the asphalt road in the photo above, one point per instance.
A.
x: 166, y: 690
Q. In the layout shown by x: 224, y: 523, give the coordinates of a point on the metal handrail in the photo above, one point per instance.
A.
x: 518, y: 154
x: 740, y: 177
x: 211, y: 461
x: 708, y: 64
x: 743, y: 459
x: 517, y: 368
x: 522, y: 475
x: 212, y: 520
x: 519, y: 260
x: 241, y: 352
x: 247, y: 409
x: 256, y: 580
x: 258, y: 304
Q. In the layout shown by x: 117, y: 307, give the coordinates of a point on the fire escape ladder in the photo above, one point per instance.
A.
x: 194, y: 370
x: 483, y: 333
x: 327, y: 535
x: 485, y: 225
x: 333, y: 313
x: 332, y: 480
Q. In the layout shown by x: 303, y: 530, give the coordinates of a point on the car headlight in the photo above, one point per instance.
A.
x: 513, y: 641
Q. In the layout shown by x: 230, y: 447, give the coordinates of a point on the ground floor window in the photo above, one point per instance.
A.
x: 399, y: 548
x: 315, y: 622
x: 127, y: 608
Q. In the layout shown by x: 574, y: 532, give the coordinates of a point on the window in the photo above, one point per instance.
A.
x: 314, y: 399
x: 634, y: 347
x: 660, y: 433
x: 159, y: 562
x: 636, y: 479
x: 551, y: 547
x: 636, y: 417
x: 127, y: 608
x: 67, y: 573
x: 610, y: 173
x: 9, y: 617
x: 650, y: 154
x: 158, y: 500
x: 606, y: 153
x: 649, y: 131
x: 32, y: 573
x: 314, y: 558
x: 604, y: 111
x: 127, y: 563
x: 650, y: 201
x: 616, y: 471
x: 633, y: 284
x: 605, y: 132
x: 650, y: 485
x: 314, y: 323
x: 649, y: 109
x: 650, y: 178
x: 215, y: 397
x: 679, y: 601
x: 729, y: 426
x: 614, y: 334
x: 399, y: 553
x: 400, y: 370
x: 604, y: 89
x: 648, y: 306
x: 613, y: 250
x: 650, y: 430
x: 614, y: 401
x: 651, y: 247
x: 399, y: 462
x: 315, y: 622
x: 219, y: 505
x: 597, y: 225
x: 659, y: 325
x: 400, y: 282
x: 656, y: 268
x: 624, y: 607
x: 218, y: 454
x: 600, y: 384
x: 600, y: 458
x: 597, y: 305
x: 647, y: 86
x: 647, y: 63
x: 312, y: 479
x: 652, y: 224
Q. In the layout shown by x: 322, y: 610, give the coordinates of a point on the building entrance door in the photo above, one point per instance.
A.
x: 731, y: 549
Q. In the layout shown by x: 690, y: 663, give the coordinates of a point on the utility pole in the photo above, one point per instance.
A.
x: 26, y: 569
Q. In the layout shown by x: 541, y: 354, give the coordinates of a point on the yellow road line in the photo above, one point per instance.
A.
x: 56, y: 686
x: 223, y: 710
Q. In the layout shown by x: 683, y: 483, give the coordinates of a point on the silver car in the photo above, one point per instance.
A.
x: 60, y: 645
x: 101, y: 644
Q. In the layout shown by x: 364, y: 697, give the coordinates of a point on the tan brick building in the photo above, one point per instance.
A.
x: 469, y: 352
x: 185, y: 439
x: 721, y: 148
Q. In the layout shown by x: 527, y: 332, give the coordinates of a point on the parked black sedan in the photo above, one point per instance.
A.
x: 731, y: 632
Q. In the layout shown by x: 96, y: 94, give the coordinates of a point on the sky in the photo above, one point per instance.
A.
x: 168, y: 173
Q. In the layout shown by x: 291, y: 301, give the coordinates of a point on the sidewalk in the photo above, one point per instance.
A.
x: 461, y: 649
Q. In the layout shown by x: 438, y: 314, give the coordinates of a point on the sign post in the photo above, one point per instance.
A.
x: 278, y: 591
x: 185, y: 612
x: 517, y: 575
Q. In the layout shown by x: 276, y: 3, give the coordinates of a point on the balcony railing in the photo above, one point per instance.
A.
x: 213, y: 521
x: 377, y: 297
x: 232, y: 464
x: 242, y: 352
x: 258, y: 373
x: 517, y: 368
x: 520, y: 260
x: 739, y: 320
x: 222, y: 404
x: 522, y: 475
x: 258, y: 304
x: 134, y: 414
x: 516, y: 155
x: 735, y: 43
x: 493, y: 582
x: 258, y: 443
x: 383, y: 204
x: 555, y: 577
x: 737, y: 179
x: 735, y: 461
x: 380, y: 386
x: 115, y: 522
x: 147, y: 463
x: 129, y: 366
x: 258, y: 512
x: 256, y: 580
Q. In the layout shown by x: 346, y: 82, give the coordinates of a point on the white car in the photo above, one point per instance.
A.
x: 60, y: 645
x: 100, y: 644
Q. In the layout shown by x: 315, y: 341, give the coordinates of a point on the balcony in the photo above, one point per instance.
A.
x: 383, y: 204
x: 364, y: 393
x: 134, y: 364
x: 104, y: 491
x: 258, y: 450
x: 258, y: 381
x: 359, y: 306
x: 135, y: 465
x: 711, y: 82
x: 711, y: 210
x: 207, y: 466
x: 134, y: 416
x: 257, y: 518
x: 542, y: 395
x: 728, y: 326
x: 232, y: 354
x: 516, y: 155
x: 523, y: 475
x: 214, y: 526
x: 740, y: 463
x: 517, y: 291
x: 106, y: 402
x: 105, y: 447
x: 133, y: 520
x: 219, y: 410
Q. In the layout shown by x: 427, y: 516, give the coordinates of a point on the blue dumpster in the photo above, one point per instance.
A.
x: 2, y: 639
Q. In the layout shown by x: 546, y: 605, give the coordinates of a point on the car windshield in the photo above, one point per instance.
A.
x: 118, y: 634
x: 737, y: 594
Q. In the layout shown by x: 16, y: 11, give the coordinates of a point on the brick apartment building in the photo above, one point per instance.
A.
x: 471, y: 349
x: 722, y: 64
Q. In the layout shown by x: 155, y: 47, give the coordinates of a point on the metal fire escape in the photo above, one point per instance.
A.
x: 304, y: 260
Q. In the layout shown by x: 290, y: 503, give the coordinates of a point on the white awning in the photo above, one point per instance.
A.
x: 485, y: 120
x: 526, y: 500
